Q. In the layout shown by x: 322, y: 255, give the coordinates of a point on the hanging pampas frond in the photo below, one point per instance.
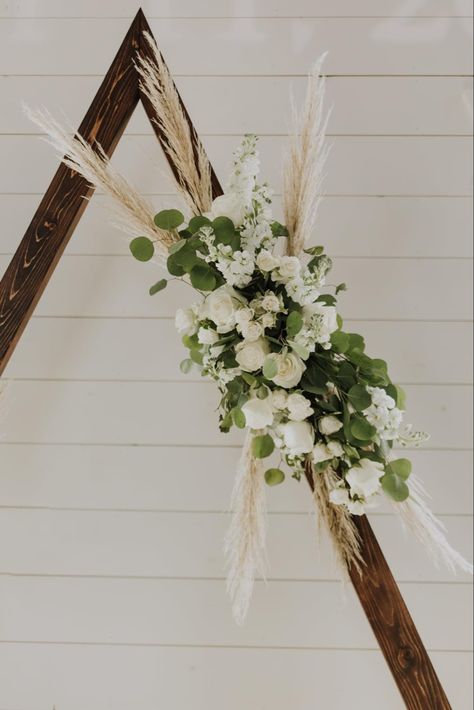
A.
x: 130, y: 211
x: 182, y: 144
x: 418, y: 518
x: 336, y: 519
x: 304, y: 167
x: 245, y: 544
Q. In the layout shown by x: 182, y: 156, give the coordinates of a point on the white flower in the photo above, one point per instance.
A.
x: 229, y: 205
x: 279, y: 399
x: 290, y: 369
x: 243, y: 316
x: 258, y: 413
x: 288, y: 268
x: 383, y: 414
x: 268, y: 320
x: 380, y: 398
x: 220, y: 307
x: 298, y: 437
x: 185, y: 321
x: 251, y: 355
x: 252, y: 330
x: 271, y: 302
x: 266, y: 261
x: 335, y: 448
x: 321, y: 321
x: 329, y: 425
x: 207, y: 336
x: 364, y: 478
x: 340, y: 496
x: 299, y: 407
x: 321, y: 453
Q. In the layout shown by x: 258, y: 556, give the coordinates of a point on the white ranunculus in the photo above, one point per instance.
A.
x: 270, y: 302
x: 290, y: 369
x: 252, y: 330
x: 340, y: 496
x: 266, y: 261
x: 207, y: 336
x: 329, y: 425
x: 298, y: 437
x: 251, y: 355
x: 279, y: 399
x: 364, y: 478
x: 185, y: 321
x: 221, y: 306
x: 299, y: 407
x: 335, y: 448
x: 258, y: 413
x: 321, y: 453
x: 229, y: 205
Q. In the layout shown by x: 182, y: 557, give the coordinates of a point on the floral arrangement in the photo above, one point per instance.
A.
x: 266, y: 330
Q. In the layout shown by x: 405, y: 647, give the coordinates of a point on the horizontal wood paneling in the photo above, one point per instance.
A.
x: 262, y: 46
x: 185, y: 545
x: 244, y: 8
x: 348, y: 226
x: 184, y: 479
x: 197, y: 612
x: 361, y: 105
x: 36, y: 676
x: 358, y: 165
x: 412, y: 289
x: 176, y: 413
x: 70, y: 348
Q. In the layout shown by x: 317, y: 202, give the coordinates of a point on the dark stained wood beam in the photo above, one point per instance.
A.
x: 30, y: 270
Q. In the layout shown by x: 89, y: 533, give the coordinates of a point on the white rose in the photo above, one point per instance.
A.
x: 329, y: 425
x: 299, y: 407
x: 229, y: 205
x: 340, y: 496
x: 258, y: 413
x: 207, y: 336
x: 335, y: 448
x: 252, y: 331
x: 220, y: 307
x: 321, y: 453
x: 298, y: 437
x: 364, y: 478
x: 290, y: 369
x: 244, y: 316
x: 278, y: 399
x: 251, y: 356
x: 266, y: 261
x: 271, y: 302
x: 288, y: 268
x: 185, y: 321
x: 268, y: 320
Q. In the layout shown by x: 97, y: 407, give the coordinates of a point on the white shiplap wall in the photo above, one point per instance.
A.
x: 114, y: 479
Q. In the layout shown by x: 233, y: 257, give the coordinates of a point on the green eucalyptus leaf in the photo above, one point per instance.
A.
x: 314, y: 251
x: 395, y: 487
x: 185, y: 365
x: 401, y: 397
x: 196, y: 356
x: 169, y: 219
x: 159, y: 286
x: 340, y: 341
x: 341, y: 287
x: 299, y: 350
x: 176, y: 246
x: 327, y: 299
x: 270, y: 368
x: 224, y: 230
x: 142, y: 248
x: 278, y: 230
x: 238, y: 417
x: 356, y: 342
x: 202, y: 277
x: 361, y: 429
x: 262, y: 446
x: 400, y: 467
x: 274, y: 476
x: 359, y: 397
x: 294, y: 323
x: 190, y: 341
x: 174, y: 268
x: 195, y: 223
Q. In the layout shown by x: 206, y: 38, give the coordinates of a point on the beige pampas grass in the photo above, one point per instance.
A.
x: 245, y: 544
x: 304, y: 167
x: 336, y: 519
x: 418, y: 518
x: 130, y: 211
x: 181, y: 142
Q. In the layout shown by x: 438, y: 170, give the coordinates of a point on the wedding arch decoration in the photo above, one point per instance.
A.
x: 265, y: 329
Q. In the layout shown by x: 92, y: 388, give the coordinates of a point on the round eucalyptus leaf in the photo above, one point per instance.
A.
x: 197, y: 222
x: 142, y: 248
x: 400, y: 467
x: 361, y: 429
x: 159, y: 286
x: 169, y: 219
x: 294, y: 323
x: 274, y: 476
x: 359, y: 397
x: 202, y: 277
x: 395, y: 487
x: 262, y: 446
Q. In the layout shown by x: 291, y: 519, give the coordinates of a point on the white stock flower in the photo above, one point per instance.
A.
x: 221, y: 306
x: 229, y: 205
x: 251, y: 331
x: 380, y: 398
x: 266, y: 261
x: 290, y: 369
x: 329, y: 425
x: 251, y: 355
x: 364, y: 478
x: 383, y: 414
x: 299, y: 408
x: 185, y: 321
x: 279, y: 399
x: 207, y: 336
x: 258, y: 413
x: 320, y: 321
x: 298, y: 437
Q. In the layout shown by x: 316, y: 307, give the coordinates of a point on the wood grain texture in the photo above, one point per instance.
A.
x: 28, y: 274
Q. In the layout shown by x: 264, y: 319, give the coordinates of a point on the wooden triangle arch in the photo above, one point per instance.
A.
x: 33, y: 264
